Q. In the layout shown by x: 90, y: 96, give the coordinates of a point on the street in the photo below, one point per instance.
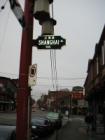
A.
x: 73, y: 128
x: 10, y: 117
x: 7, y: 118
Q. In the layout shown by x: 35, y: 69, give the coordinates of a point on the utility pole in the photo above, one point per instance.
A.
x: 70, y: 104
x: 23, y: 96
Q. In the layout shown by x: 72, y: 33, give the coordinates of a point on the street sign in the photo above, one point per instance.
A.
x: 50, y: 42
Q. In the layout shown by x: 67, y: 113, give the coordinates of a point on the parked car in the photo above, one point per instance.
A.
x: 7, y: 132
x: 55, y: 118
x: 41, y: 126
x: 43, y: 109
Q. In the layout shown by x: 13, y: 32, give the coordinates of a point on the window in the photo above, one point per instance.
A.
x: 97, y: 65
x: 103, y: 54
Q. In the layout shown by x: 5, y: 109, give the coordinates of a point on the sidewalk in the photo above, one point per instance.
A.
x: 75, y: 129
x: 65, y: 121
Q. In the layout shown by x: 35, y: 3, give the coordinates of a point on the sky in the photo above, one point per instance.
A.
x: 80, y: 22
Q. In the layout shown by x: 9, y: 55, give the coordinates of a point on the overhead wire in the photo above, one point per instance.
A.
x: 52, y: 72
x: 46, y: 85
x: 53, y: 62
x: 52, y: 65
x: 47, y: 78
x: 55, y: 55
x: 15, y: 76
x: 55, y: 70
x: 64, y: 78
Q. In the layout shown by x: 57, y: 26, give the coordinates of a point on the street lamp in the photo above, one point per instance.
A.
x: 41, y: 9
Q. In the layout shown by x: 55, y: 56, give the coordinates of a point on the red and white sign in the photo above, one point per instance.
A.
x: 32, y: 75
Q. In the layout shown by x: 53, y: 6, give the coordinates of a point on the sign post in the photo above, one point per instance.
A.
x: 23, y: 97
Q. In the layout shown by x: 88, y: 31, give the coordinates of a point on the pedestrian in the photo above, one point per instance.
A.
x: 67, y: 113
x: 89, y: 120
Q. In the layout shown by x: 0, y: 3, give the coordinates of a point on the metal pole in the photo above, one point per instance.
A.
x: 70, y: 103
x: 23, y: 96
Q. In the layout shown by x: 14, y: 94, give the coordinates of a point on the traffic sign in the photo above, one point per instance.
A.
x: 50, y: 42
x: 32, y: 75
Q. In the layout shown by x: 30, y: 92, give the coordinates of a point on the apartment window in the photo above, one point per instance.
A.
x: 103, y: 54
x: 97, y: 65
x: 104, y: 51
x: 91, y: 72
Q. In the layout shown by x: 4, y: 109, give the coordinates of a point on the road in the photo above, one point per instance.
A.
x: 7, y: 118
x: 10, y: 117
x: 73, y: 129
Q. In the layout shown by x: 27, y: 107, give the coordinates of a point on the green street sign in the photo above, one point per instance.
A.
x: 50, y: 42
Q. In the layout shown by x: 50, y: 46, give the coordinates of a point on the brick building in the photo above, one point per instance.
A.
x: 95, y: 82
x: 63, y: 100
x: 8, y: 91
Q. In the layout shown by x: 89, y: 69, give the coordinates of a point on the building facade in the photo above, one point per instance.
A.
x: 64, y: 100
x: 95, y: 82
x: 8, y: 91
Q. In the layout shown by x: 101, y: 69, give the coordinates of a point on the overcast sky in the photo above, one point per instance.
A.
x: 80, y: 22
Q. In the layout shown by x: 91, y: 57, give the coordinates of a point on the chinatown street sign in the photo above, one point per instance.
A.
x: 49, y: 42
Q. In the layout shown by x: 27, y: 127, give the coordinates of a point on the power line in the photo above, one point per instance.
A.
x: 53, y: 68
x: 49, y: 78
x: 61, y: 86
x: 63, y: 78
x: 56, y: 80
x: 9, y: 74
x: 53, y: 62
x: 52, y: 72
